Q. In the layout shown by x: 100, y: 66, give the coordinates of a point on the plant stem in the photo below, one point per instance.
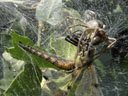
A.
x: 40, y: 29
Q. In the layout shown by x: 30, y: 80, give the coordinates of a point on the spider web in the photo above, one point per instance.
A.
x: 21, y: 16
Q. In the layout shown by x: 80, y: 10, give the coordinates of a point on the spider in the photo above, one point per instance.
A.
x: 86, y: 33
x: 81, y: 38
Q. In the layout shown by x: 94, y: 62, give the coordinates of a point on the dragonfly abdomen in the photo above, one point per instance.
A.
x: 57, y: 61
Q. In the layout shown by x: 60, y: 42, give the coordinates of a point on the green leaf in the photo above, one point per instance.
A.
x: 27, y: 83
x: 56, y: 84
x: 63, y: 48
x: 18, y: 53
x: 118, y: 9
x: 11, y: 68
x: 50, y: 11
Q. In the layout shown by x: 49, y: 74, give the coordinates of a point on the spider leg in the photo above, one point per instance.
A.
x: 112, y: 42
x: 72, y: 18
x: 82, y: 36
x: 69, y: 27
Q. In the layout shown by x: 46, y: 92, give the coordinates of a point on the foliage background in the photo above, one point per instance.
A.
x: 20, y: 73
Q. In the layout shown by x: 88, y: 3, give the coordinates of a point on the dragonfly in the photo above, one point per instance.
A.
x: 85, y: 41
